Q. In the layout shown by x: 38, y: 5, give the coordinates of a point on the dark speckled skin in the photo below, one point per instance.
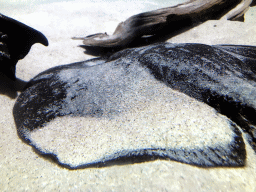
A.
x: 223, y: 76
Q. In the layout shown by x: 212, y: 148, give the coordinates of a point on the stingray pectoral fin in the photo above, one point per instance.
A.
x: 87, y: 116
x: 223, y: 76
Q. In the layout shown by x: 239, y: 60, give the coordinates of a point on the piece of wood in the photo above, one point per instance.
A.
x: 238, y: 11
x: 167, y: 20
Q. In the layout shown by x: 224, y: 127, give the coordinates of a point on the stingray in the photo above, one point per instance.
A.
x: 191, y: 103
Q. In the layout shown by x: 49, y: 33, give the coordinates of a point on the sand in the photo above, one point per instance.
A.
x: 24, y: 170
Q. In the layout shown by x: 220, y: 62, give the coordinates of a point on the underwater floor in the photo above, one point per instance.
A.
x: 22, y: 169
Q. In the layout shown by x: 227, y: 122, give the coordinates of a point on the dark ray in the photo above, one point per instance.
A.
x: 106, y: 94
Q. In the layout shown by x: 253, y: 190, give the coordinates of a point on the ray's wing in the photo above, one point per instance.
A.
x: 123, y: 107
x: 223, y: 76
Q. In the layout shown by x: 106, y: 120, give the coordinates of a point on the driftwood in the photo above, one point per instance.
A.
x: 171, y: 20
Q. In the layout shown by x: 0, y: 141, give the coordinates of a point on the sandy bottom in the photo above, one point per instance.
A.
x: 22, y: 169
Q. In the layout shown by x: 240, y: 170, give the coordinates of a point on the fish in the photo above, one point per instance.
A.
x: 190, y: 103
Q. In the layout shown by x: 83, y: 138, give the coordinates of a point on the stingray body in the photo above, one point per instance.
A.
x: 186, y: 102
x: 16, y: 40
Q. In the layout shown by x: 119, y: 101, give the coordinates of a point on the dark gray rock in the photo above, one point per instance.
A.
x: 16, y: 40
x: 110, y: 89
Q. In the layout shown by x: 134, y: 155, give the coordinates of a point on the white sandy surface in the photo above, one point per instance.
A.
x: 24, y: 170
